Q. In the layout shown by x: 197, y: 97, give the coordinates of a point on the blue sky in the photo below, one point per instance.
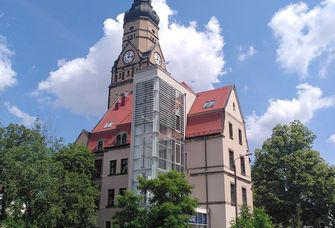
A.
x: 279, y: 54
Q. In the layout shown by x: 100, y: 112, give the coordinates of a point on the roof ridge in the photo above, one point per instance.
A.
x: 223, y: 87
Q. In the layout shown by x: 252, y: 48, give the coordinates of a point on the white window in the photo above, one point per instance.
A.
x: 209, y: 104
x: 108, y: 125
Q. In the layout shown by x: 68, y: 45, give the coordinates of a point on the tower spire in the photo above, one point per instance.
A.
x: 141, y: 8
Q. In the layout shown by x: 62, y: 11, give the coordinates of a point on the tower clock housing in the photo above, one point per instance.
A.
x: 140, y: 48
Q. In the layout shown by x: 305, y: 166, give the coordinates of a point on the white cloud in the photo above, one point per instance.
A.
x: 304, y: 35
x: 309, y: 100
x: 332, y: 139
x: 246, y: 53
x: 193, y: 56
x: 25, y: 118
x: 81, y: 84
x: 7, y: 74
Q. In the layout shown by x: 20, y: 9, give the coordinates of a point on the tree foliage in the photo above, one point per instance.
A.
x: 38, y: 186
x: 169, y: 203
x: 252, y: 219
x: 133, y: 214
x: 291, y: 181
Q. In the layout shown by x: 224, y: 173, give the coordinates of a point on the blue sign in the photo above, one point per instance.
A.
x: 199, y: 219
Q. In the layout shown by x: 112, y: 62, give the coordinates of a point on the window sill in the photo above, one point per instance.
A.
x: 117, y: 174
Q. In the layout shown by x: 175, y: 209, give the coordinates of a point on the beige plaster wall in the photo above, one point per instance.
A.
x: 112, y: 182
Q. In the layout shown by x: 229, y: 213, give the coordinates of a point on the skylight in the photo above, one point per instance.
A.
x: 108, y: 125
x: 209, y: 104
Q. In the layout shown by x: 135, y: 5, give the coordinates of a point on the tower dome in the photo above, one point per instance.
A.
x: 141, y: 8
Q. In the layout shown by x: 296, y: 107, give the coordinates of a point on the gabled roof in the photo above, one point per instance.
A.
x: 219, y: 95
x: 206, y: 116
x: 116, y: 116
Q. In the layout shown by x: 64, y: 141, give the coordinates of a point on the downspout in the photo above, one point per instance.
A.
x: 206, y: 177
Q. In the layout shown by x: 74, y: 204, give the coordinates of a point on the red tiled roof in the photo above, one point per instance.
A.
x: 207, y: 121
x: 119, y: 116
x: 204, y: 124
x: 121, y: 122
x: 220, y: 96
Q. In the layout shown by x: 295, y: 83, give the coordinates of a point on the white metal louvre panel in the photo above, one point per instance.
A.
x: 144, y: 102
x: 167, y: 106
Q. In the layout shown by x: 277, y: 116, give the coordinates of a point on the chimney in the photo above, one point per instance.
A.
x: 123, y: 100
x: 117, y: 103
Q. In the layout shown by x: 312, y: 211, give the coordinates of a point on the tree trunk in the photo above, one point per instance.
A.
x: 3, y: 214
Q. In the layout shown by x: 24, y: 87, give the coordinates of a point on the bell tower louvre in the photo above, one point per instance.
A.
x: 155, y: 124
x: 140, y: 48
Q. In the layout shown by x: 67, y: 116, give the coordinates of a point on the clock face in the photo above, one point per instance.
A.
x: 128, y: 57
x: 157, y: 58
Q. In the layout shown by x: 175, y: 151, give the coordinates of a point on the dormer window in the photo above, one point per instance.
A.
x: 131, y: 28
x: 100, y: 145
x: 209, y: 104
x: 118, y: 140
x: 121, y: 139
x: 124, y: 139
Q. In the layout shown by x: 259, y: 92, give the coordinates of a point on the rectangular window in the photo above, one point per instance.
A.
x: 178, y: 127
x: 231, y: 134
x: 108, y: 224
x: 242, y: 166
x: 232, y: 194
x: 122, y: 191
x: 178, y: 154
x: 112, y: 167
x: 240, y: 136
x: 124, y: 166
x: 111, y: 197
x: 231, y: 159
x: 98, y: 168
x: 244, y: 196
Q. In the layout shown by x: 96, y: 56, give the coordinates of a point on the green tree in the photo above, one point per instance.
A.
x: 132, y: 207
x: 169, y: 203
x: 255, y: 219
x: 26, y: 178
x: 77, y: 194
x: 38, y: 185
x: 291, y: 181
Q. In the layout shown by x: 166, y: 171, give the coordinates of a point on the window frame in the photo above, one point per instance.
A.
x: 240, y: 138
x: 118, y: 140
x: 122, y: 191
x: 231, y: 131
x: 112, y: 167
x: 98, y: 173
x: 123, y: 165
x: 243, y: 170
x: 231, y: 159
x: 244, y: 196
x: 100, y: 145
x: 233, y: 200
x: 108, y: 224
x: 111, y: 197
x: 124, y: 139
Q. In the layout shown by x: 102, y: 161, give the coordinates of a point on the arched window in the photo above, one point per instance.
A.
x: 100, y: 145
x: 124, y: 139
x: 118, y: 140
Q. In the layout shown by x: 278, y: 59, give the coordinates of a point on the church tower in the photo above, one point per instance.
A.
x: 140, y: 48
x: 155, y: 124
